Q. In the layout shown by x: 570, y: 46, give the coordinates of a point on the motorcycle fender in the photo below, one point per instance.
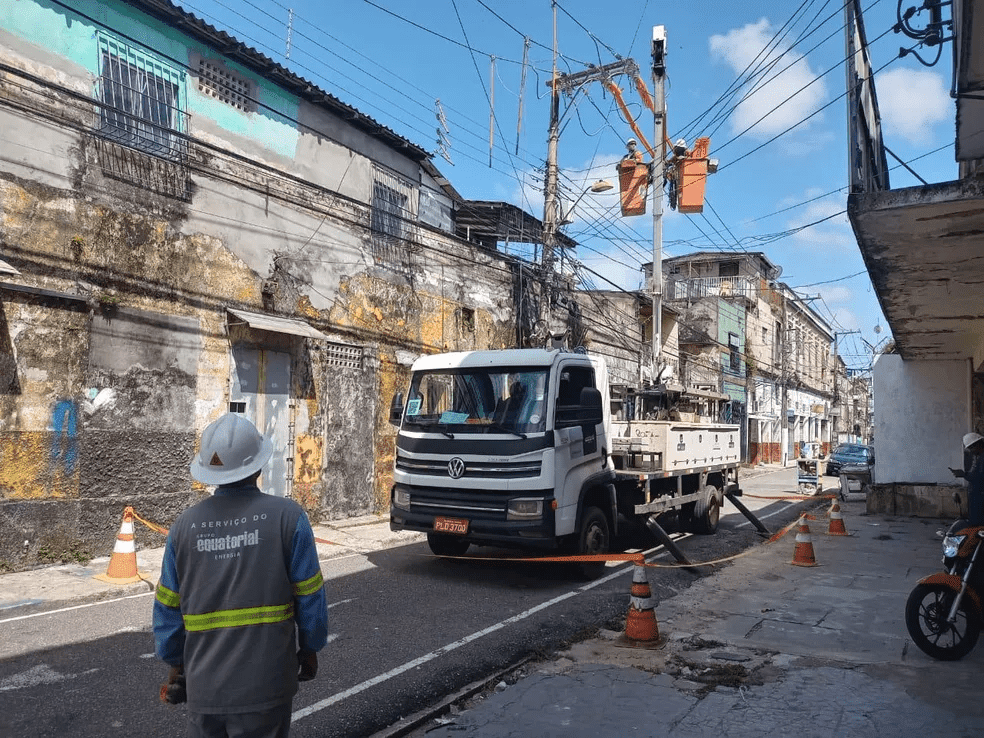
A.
x: 953, y: 582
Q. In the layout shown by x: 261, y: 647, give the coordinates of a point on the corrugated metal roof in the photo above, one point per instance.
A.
x: 276, y: 324
x: 489, y: 222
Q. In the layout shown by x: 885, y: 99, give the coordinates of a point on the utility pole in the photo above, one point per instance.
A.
x: 551, y: 222
x: 550, y: 188
x: 659, y: 163
x: 783, y: 381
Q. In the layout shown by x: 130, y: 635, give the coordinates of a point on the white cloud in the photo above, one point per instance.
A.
x: 833, y: 294
x: 911, y: 102
x: 740, y: 48
x: 832, y: 229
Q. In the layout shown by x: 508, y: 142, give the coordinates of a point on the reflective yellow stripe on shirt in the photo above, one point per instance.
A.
x: 309, y: 586
x: 237, y: 618
x: 168, y: 597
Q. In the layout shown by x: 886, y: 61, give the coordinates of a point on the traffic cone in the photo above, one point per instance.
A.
x: 836, y: 521
x: 803, y: 556
x: 640, y: 624
x: 123, y: 563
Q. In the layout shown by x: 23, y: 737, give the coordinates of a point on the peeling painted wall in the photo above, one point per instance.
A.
x: 116, y: 347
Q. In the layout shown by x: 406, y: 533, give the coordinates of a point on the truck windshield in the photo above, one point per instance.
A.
x: 493, y: 400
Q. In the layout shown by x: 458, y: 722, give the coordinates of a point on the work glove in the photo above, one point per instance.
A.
x: 173, y: 690
x: 308, y: 663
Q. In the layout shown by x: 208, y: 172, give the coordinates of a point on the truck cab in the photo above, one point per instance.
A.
x: 504, y: 448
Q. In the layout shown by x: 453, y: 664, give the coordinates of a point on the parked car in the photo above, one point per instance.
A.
x: 850, y: 454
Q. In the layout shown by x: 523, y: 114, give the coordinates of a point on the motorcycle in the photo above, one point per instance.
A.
x: 943, y: 613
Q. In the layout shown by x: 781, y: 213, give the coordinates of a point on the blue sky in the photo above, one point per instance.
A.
x: 394, y: 61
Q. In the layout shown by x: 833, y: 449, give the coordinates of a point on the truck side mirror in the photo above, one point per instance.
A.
x: 396, y: 409
x: 591, y: 410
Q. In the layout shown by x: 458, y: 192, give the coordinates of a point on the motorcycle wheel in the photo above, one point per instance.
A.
x: 926, y: 614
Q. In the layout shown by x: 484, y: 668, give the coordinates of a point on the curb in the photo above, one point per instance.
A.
x: 406, y: 725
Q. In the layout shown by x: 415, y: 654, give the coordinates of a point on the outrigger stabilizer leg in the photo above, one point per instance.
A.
x: 668, y: 543
x: 732, y: 494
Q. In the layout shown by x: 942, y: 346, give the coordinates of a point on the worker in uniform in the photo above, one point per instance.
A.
x: 241, y: 610
x: 973, y: 472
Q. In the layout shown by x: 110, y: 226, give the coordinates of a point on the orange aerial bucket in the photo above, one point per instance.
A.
x: 633, y: 184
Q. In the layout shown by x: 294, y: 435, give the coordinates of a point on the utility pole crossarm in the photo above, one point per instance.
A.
x: 567, y: 82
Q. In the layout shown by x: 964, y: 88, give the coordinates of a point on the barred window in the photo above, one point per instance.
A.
x: 142, y: 100
x: 388, y: 209
x: 734, y: 362
x: 392, y: 219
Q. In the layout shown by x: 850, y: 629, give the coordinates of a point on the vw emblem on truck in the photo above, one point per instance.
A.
x: 456, y: 468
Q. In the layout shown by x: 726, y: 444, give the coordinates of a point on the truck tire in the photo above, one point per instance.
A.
x: 707, y: 511
x: 447, y: 545
x: 593, y: 537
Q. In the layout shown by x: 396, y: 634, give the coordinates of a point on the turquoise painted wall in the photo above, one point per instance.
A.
x: 731, y: 319
x: 74, y: 37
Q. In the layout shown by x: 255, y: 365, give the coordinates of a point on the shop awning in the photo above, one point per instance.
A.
x: 263, y: 322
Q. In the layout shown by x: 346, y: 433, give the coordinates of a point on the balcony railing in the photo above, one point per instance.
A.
x: 694, y: 288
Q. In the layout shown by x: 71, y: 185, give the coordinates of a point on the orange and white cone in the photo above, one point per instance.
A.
x: 836, y: 521
x: 640, y: 624
x: 803, y: 555
x: 123, y: 563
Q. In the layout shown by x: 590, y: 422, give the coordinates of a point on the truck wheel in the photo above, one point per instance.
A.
x: 593, y: 537
x: 707, y: 511
x: 447, y: 545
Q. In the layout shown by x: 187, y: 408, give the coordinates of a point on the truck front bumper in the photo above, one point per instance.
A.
x: 487, y: 526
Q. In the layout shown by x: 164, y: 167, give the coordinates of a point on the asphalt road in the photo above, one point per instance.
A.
x: 407, y: 629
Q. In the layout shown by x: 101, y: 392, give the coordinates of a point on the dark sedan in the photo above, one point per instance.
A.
x: 850, y: 454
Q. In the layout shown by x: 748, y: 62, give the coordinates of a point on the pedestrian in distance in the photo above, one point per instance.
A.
x: 241, y: 610
x: 973, y: 472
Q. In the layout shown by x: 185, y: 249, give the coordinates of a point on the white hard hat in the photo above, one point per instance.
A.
x: 971, y: 438
x: 232, y: 449
x: 630, y: 142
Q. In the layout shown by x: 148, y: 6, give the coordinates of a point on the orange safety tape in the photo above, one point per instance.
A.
x: 584, y: 558
x: 636, y: 558
x: 153, y: 526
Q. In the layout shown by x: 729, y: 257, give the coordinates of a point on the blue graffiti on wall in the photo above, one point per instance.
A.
x: 64, y: 439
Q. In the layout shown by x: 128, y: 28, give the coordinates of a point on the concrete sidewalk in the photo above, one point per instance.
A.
x: 760, y: 647
x: 66, y: 585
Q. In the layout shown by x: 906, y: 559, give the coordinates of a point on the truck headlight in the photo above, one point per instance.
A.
x: 951, y: 544
x: 401, y: 498
x: 524, y: 509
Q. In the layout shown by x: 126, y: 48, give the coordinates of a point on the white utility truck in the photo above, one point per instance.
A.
x: 519, y: 448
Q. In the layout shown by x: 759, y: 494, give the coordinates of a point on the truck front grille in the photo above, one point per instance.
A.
x: 473, y: 469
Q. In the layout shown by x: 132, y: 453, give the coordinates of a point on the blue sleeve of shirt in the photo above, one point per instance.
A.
x: 169, y: 631
x: 310, y: 610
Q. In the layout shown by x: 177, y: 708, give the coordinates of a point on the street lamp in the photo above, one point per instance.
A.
x: 602, y: 185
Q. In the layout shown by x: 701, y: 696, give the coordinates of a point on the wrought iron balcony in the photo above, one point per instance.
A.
x: 694, y: 288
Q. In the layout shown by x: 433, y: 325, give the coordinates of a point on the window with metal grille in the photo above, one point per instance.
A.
x: 340, y: 355
x: 734, y: 350
x: 228, y: 87
x: 142, y: 100
x: 392, y: 216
